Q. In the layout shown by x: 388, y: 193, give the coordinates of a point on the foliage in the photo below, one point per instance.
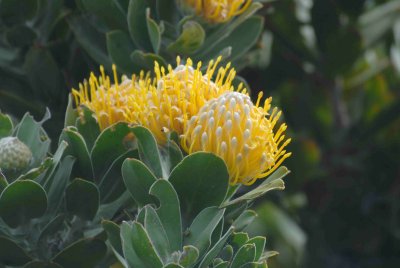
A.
x: 52, y: 212
x: 333, y: 66
x: 334, y: 69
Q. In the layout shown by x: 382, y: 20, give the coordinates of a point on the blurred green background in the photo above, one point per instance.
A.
x: 333, y: 66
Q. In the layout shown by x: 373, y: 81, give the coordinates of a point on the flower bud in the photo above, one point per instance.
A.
x: 14, y: 154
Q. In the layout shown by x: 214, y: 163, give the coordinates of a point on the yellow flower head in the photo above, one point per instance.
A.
x: 178, y: 94
x: 218, y: 11
x: 241, y: 133
x: 163, y: 103
x: 109, y: 102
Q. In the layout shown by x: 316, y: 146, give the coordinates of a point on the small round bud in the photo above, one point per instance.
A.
x: 14, y: 154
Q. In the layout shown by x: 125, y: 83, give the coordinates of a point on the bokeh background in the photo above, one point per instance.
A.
x: 333, y: 66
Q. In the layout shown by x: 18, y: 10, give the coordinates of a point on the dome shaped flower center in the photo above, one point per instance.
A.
x: 241, y: 133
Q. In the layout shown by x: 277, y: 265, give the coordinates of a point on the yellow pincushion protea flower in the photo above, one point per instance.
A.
x: 161, y: 104
x: 241, y: 133
x: 177, y: 94
x: 218, y: 11
x: 109, y: 102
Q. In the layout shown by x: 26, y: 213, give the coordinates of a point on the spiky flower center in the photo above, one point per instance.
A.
x: 219, y: 11
x: 241, y: 133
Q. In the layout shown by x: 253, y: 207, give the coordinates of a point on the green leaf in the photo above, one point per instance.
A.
x: 138, y: 179
x: 224, y: 264
x: 13, y: 12
x: 20, y: 35
x: 268, y: 254
x: 226, y: 29
x: 259, y: 242
x: 32, y: 134
x: 157, y: 234
x: 138, y: 250
x: 244, y: 255
x: 202, y: 227
x: 198, y: 189
x: 262, y: 264
x: 171, y: 155
x: 46, y: 180
x: 34, y: 173
x: 108, y: 11
x: 107, y: 211
x: 241, y: 39
x: 216, y: 249
x: 281, y: 225
x: 44, y: 75
x: 84, y: 253
x: 111, y: 185
x: 58, y: 182
x: 274, y: 182
x: 130, y: 255
x: 148, y: 150
x: 227, y: 252
x: 50, y: 20
x: 172, y: 265
x: 378, y: 21
x: 41, y: 264
x: 82, y: 199
x: 21, y: 201
x: 46, y: 236
x: 12, y: 254
x: 113, y: 142
x: 169, y: 212
x: 190, y: 40
x: 91, y: 40
x: 234, y: 211
x: 70, y: 114
x: 6, y: 126
x: 119, y: 45
x: 141, y: 215
x: 88, y: 127
x: 146, y: 61
x: 189, y: 256
x: 113, y: 235
x: 137, y: 24
x: 216, y: 235
x: 78, y: 149
x: 244, y: 220
x: 144, y: 247
x: 154, y: 32
x: 239, y: 239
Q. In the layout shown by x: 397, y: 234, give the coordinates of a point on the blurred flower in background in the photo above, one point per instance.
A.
x: 218, y: 11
